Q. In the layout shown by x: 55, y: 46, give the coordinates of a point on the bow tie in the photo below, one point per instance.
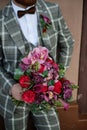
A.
x: 21, y: 13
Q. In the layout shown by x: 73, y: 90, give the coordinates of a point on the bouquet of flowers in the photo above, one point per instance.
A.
x: 43, y: 82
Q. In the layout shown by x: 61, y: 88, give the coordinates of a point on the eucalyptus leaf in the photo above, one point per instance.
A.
x: 18, y: 73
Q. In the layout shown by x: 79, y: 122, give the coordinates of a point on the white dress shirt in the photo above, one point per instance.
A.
x: 28, y: 24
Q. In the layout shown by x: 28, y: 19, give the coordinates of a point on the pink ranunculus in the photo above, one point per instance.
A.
x: 26, y: 61
x: 28, y: 96
x: 39, y: 54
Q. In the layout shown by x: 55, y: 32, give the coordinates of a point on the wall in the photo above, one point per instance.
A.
x: 72, y: 12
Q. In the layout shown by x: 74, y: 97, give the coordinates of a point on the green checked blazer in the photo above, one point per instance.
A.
x: 13, y: 45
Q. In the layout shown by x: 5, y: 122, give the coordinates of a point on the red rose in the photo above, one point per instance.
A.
x: 44, y: 30
x: 24, y: 81
x: 44, y: 88
x: 28, y: 96
x: 55, y: 66
x: 41, y: 68
x: 57, y: 87
x: 49, y: 60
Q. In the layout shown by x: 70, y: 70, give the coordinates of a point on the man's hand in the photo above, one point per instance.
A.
x: 16, y: 91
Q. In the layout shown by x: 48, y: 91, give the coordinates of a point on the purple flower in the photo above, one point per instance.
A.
x: 23, y: 66
x: 67, y: 94
x: 37, y: 78
x: 37, y: 88
x: 39, y: 98
x: 48, y: 95
x: 66, y: 84
x: 65, y: 105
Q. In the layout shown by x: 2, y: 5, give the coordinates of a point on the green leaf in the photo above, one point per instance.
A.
x: 73, y: 86
x: 45, y: 73
x: 61, y: 71
x: 51, y: 82
x: 28, y: 72
x: 58, y: 103
x: 18, y: 73
x: 17, y: 102
x: 70, y: 100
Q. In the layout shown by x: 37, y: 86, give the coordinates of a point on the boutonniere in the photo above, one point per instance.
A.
x: 45, y: 23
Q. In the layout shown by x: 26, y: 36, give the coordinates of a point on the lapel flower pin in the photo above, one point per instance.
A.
x: 45, y: 23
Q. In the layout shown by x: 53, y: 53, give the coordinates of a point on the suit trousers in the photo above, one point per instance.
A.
x: 42, y: 120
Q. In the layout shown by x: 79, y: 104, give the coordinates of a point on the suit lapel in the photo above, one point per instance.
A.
x: 45, y: 39
x: 13, y: 28
x: 15, y: 31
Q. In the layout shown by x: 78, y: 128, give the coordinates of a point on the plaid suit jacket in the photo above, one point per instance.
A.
x: 58, y: 40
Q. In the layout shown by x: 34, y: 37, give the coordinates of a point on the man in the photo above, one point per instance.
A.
x: 20, y: 32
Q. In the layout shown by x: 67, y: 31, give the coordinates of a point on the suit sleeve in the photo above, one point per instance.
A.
x: 65, y: 41
x: 6, y: 79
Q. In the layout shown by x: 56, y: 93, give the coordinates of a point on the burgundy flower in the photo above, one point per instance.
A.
x: 37, y: 78
x: 39, y: 98
x: 66, y: 83
x: 39, y: 88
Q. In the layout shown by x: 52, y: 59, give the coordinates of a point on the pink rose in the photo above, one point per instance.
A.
x: 38, y: 54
